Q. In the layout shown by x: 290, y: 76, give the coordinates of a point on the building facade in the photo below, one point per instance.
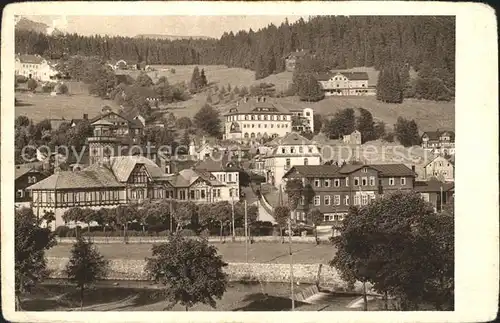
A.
x: 253, y: 119
x: 439, y: 142
x: 35, y: 67
x: 441, y: 168
x: 125, y: 180
x: 25, y: 176
x: 337, y: 188
x: 437, y: 193
x: 353, y: 138
x: 292, y: 58
x: 289, y: 151
x: 345, y: 83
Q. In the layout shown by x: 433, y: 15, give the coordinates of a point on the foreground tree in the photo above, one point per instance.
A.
x: 85, y: 266
x: 282, y: 215
x: 315, y: 217
x: 400, y: 245
x: 29, y: 254
x: 190, y: 270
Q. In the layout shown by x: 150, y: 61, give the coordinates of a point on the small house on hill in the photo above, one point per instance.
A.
x: 352, y: 139
x: 345, y: 83
x: 292, y: 58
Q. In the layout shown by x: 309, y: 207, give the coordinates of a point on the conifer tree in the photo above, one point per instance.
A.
x: 260, y: 68
x: 204, y: 81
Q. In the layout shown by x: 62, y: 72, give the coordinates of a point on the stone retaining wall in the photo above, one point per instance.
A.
x: 133, y: 240
x: 303, y: 273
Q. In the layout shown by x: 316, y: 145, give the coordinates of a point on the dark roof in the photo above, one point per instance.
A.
x: 314, y: 170
x: 298, y: 54
x: 31, y: 59
x: 434, y: 135
x: 333, y: 170
x: 219, y: 165
x: 252, y: 106
x: 352, y: 76
x: 393, y: 170
x: 433, y: 185
x: 21, y: 171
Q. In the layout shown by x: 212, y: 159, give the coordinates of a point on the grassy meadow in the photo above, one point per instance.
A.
x: 429, y: 115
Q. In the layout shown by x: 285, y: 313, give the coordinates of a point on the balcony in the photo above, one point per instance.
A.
x: 102, y: 138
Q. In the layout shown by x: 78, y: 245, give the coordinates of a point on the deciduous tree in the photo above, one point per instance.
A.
x: 282, y: 216
x: 190, y: 270
x: 207, y: 119
x: 86, y: 265
x: 31, y: 241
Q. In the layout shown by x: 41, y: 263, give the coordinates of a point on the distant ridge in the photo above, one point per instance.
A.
x: 38, y: 27
x: 171, y: 37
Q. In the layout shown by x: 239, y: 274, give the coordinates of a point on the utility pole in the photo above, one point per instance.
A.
x: 171, y: 214
x: 291, y: 259
x: 232, y: 216
x: 246, y: 232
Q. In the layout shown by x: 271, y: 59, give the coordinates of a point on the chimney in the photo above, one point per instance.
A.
x: 85, y: 116
x: 413, y: 168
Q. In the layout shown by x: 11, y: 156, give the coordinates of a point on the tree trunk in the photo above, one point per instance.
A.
x: 220, y: 231
x: 282, y: 236
x: 18, y: 302
x: 81, y: 298
x: 316, y: 234
x: 386, y: 301
x: 365, y: 300
x: 187, y: 308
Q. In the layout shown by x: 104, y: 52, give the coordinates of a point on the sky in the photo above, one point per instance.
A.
x: 212, y: 26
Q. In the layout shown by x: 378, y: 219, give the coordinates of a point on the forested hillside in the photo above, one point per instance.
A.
x: 339, y: 41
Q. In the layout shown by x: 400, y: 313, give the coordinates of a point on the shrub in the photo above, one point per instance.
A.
x: 172, y: 70
x: 389, y: 137
x: 21, y: 79
x: 61, y: 231
x: 187, y: 233
x: 62, y: 89
x: 205, y: 233
x: 32, y: 85
x: 48, y: 87
x: 239, y: 232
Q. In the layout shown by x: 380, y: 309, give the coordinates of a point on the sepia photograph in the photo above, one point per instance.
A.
x: 231, y: 162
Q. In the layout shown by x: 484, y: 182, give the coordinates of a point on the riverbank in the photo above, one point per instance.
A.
x: 136, y: 296
x: 317, y: 274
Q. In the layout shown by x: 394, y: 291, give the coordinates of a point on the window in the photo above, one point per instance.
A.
x: 336, y: 200
x: 402, y: 180
x: 310, y: 149
x: 288, y: 163
x: 20, y: 193
x: 346, y: 200
x: 372, y: 181
x: 364, y: 181
x: 347, y: 181
x: 302, y: 200
x: 292, y: 150
x: 327, y: 183
x: 391, y: 181
x: 218, y: 192
x: 283, y: 150
x: 326, y: 199
x: 192, y: 195
x: 365, y: 199
x: 230, y: 192
x: 317, y: 200
x: 356, y: 200
x: 356, y: 181
x: 301, y: 150
x: 365, y: 170
x: 229, y: 177
x: 336, y: 182
x: 317, y: 183
x: 31, y: 179
x: 306, y: 161
x: 203, y: 194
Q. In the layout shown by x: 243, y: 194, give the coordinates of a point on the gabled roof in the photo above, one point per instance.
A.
x: 252, y: 106
x: 88, y: 178
x: 122, y: 166
x: 21, y: 171
x: 189, y: 176
x: 293, y: 138
x: 30, y: 59
x: 106, y: 114
x: 434, y: 135
x: 223, y: 164
x: 451, y: 161
x: 393, y: 170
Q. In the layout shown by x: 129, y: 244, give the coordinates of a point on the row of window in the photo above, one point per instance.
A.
x: 293, y: 150
x: 288, y: 163
x: 252, y: 135
x: 278, y: 125
x: 365, y: 181
x: 333, y: 217
x: 263, y: 117
x: 335, y: 200
x: 229, y: 177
